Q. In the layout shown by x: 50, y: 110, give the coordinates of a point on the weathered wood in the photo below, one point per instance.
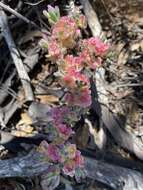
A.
x: 16, y: 56
x: 121, y: 136
x: 5, y: 87
x: 116, y: 177
x: 29, y: 63
x: 34, y: 164
x: 15, y: 145
x: 31, y: 165
x: 113, y: 158
x: 7, y: 8
x: 7, y: 111
x: 112, y: 122
x: 92, y: 18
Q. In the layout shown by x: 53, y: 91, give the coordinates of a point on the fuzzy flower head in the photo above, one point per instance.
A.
x: 69, y: 168
x: 51, y: 151
x: 71, y: 151
x: 74, y: 160
x: 79, y: 160
x: 89, y: 59
x: 92, y: 50
x: 74, y: 79
x: 66, y: 156
x: 71, y: 62
x: 81, y: 98
x: 64, y: 131
x: 54, y: 50
x: 65, y: 32
x: 96, y: 45
x: 59, y: 114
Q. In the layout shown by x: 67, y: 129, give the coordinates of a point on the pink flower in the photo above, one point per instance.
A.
x: 71, y: 150
x: 64, y: 131
x: 82, y: 78
x: 68, y: 81
x: 79, y: 160
x: 81, y: 98
x: 73, y: 78
x: 78, y: 32
x: 54, y: 50
x: 74, y: 62
x: 92, y: 48
x: 71, y: 64
x: 88, y: 59
x: 85, y: 97
x: 96, y: 45
x: 69, y: 168
x: 65, y: 31
x: 53, y: 153
x: 76, y: 161
x: 58, y: 114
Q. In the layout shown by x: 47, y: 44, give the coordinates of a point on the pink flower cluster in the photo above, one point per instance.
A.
x: 65, y: 32
x: 54, y: 50
x: 75, y: 81
x: 92, y: 51
x: 59, y: 113
x: 76, y: 60
x: 81, y: 98
x: 66, y: 155
x: 95, y: 45
x: 58, y: 121
x: 89, y: 52
x: 63, y: 37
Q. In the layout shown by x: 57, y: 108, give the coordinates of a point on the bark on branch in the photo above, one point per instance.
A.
x: 34, y: 164
x: 92, y: 18
x: 25, y: 80
x: 31, y: 165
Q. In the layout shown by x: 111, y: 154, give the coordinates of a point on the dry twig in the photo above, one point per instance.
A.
x: 92, y: 18
x: 16, y: 56
x: 7, y: 8
x: 34, y: 164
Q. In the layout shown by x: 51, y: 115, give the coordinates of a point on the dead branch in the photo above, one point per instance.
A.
x: 114, y: 176
x: 92, y: 18
x: 16, y: 57
x: 27, y: 166
x: 113, y: 158
x: 4, y: 90
x: 122, y: 137
x: 7, y: 8
x: 34, y: 164
x: 110, y: 120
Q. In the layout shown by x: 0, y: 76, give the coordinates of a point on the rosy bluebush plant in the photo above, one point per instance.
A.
x: 66, y: 156
x: 76, y: 60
